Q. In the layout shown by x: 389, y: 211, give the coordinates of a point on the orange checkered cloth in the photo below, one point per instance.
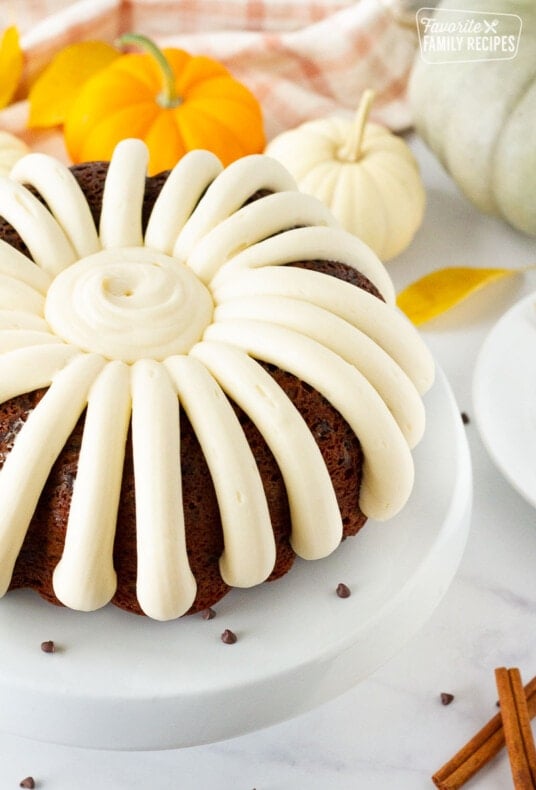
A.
x: 301, y: 59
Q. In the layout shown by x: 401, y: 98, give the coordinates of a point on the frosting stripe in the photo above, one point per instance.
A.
x: 236, y: 184
x: 36, y: 447
x: 85, y: 578
x: 315, y: 515
x: 179, y: 196
x: 388, y: 466
x: 122, y: 201
x: 63, y: 196
x: 27, y: 369
x: 312, y: 243
x: 387, y: 378
x: 16, y: 319
x: 249, y: 553
x: 11, y: 339
x: 19, y: 296
x: 252, y: 223
x: 48, y: 245
x: 16, y: 265
x: 383, y: 324
x: 165, y: 585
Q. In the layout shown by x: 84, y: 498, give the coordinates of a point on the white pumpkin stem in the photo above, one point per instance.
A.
x: 351, y: 150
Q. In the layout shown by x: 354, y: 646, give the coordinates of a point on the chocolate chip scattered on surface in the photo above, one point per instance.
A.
x: 208, y: 614
x: 48, y: 646
x: 229, y: 637
x: 343, y: 591
x: 465, y: 418
x: 28, y: 782
x: 446, y: 699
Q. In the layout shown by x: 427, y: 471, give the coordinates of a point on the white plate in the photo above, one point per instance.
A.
x: 504, y: 396
x: 126, y: 682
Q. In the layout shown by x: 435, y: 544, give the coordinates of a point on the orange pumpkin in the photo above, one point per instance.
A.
x: 173, y: 101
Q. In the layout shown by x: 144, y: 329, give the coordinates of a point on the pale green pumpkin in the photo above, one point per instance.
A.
x: 479, y: 118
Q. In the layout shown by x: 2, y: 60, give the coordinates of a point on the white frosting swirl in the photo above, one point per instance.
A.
x: 138, y: 330
x: 129, y: 304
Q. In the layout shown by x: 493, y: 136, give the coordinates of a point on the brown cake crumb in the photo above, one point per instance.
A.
x: 208, y: 614
x: 446, y: 698
x: 28, y: 782
x: 48, y: 646
x: 343, y: 591
x: 229, y: 637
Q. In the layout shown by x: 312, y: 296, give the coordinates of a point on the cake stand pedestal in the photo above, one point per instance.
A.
x: 118, y: 681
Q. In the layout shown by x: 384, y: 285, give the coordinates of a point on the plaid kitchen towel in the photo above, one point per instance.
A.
x: 301, y: 59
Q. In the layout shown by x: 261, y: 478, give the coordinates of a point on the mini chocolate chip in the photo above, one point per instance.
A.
x: 343, y: 591
x: 48, y: 646
x: 28, y: 782
x: 446, y: 699
x: 229, y: 637
x: 322, y: 429
x: 465, y: 418
x: 208, y: 614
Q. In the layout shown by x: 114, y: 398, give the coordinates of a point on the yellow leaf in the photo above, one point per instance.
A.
x: 438, y: 291
x: 11, y: 62
x: 56, y: 88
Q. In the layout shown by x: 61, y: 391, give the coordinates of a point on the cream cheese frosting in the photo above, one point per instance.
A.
x: 128, y: 304
x: 138, y: 329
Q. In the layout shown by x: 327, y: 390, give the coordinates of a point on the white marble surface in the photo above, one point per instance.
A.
x: 391, y: 730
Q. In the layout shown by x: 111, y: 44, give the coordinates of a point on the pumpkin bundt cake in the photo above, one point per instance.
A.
x: 201, y: 376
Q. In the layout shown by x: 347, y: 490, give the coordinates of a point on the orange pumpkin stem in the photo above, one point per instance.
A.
x: 351, y: 150
x: 167, y: 98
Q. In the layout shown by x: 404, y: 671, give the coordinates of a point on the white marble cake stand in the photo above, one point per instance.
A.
x: 118, y: 681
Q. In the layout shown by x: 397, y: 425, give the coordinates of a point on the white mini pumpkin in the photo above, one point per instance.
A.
x: 366, y: 175
x: 479, y: 118
x: 11, y: 150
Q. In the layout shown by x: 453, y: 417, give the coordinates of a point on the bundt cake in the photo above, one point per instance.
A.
x: 201, y: 376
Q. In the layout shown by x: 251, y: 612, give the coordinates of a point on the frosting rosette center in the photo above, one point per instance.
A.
x: 129, y: 304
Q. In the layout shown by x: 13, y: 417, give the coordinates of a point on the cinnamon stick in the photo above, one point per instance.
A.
x: 480, y: 749
x: 517, y: 729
